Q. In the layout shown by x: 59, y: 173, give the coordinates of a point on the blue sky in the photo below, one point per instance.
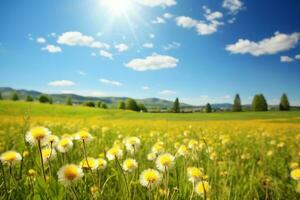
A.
x: 200, y: 51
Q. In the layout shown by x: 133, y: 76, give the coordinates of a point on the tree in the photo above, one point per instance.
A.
x: 143, y: 108
x: 69, y: 101
x: 29, y: 98
x: 89, y: 104
x: 131, y: 105
x: 284, y: 103
x: 122, y: 105
x: 44, y: 99
x: 99, y: 104
x: 259, y: 103
x: 15, y: 96
x: 1, y: 96
x: 237, y: 105
x: 208, y: 108
x: 50, y: 100
x: 104, y: 106
x: 176, y: 106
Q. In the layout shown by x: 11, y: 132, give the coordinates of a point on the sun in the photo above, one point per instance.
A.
x: 117, y: 8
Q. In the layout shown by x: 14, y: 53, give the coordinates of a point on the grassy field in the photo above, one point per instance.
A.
x: 248, y: 155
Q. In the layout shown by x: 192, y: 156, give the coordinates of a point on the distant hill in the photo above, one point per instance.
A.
x: 152, y: 103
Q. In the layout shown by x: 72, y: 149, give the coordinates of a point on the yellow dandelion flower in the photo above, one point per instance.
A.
x: 158, y: 148
x: 84, y: 136
x: 151, y: 156
x: 114, y: 153
x: 182, y: 151
x: 64, y: 145
x: 31, y: 172
x: 165, y: 161
x: 132, y: 144
x: 37, y: 134
x: 89, y: 163
x: 25, y: 154
x: 194, y: 174
x: 129, y: 165
x: 202, y: 188
x: 52, y: 140
x: 10, y: 158
x: 102, y: 163
x: 193, y: 144
x: 294, y: 165
x: 150, y: 178
x: 48, y: 154
x: 295, y: 174
x: 69, y: 174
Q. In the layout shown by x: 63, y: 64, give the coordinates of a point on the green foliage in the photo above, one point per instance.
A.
x: 208, y: 108
x: 284, y: 103
x: 89, y: 104
x: 29, y: 98
x: 237, y: 105
x: 15, y: 96
x: 104, y: 106
x: 122, y: 105
x: 50, y: 100
x: 1, y: 96
x: 44, y: 99
x: 99, y: 104
x: 69, y: 101
x: 176, y: 106
x: 143, y: 108
x: 259, y: 103
x: 131, y: 105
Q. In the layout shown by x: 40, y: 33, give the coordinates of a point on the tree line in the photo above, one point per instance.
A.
x: 259, y: 103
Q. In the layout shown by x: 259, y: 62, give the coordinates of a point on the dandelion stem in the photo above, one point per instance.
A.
x: 4, y: 178
x: 74, y: 192
x: 128, y: 192
x: 192, y: 191
x: 41, y: 157
x: 84, y: 152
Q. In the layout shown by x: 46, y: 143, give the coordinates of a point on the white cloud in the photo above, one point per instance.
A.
x: 279, y: 42
x: 41, y: 40
x: 158, y: 20
x: 61, y: 83
x: 93, y: 54
x: 226, y: 97
x: 167, y: 15
x: 52, y: 48
x: 173, y: 45
x: 154, y: 3
x: 204, y: 97
x: 151, y: 35
x: 234, y: 6
x: 186, y: 22
x: 286, y: 59
x: 99, y: 45
x: 167, y: 92
x: 53, y: 34
x: 202, y: 27
x: 232, y: 20
x: 148, y: 45
x: 145, y: 88
x: 297, y: 57
x: 153, y: 62
x: 75, y: 39
x: 109, y: 82
x: 121, y: 47
x: 106, y: 54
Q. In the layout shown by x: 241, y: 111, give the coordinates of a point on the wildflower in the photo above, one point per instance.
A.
x: 84, y: 136
x: 37, y: 134
x: 129, y: 165
x: 132, y: 144
x: 151, y: 156
x: 89, y: 163
x: 48, y: 154
x: 31, y: 173
x: 294, y: 165
x: 52, y: 140
x: 94, y: 190
x: 192, y: 144
x: 64, y: 145
x: 150, y: 178
x: 69, y: 174
x: 270, y: 153
x: 114, y: 153
x: 10, y: 158
x: 202, y: 188
x: 25, y: 154
x: 295, y: 174
x: 158, y: 148
x: 102, y: 163
x: 182, y: 151
x: 164, y: 162
x: 194, y: 174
